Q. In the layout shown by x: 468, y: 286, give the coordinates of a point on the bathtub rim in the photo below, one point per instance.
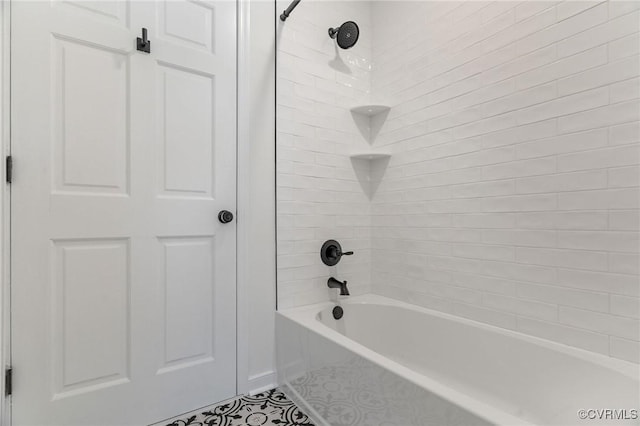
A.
x: 307, y: 316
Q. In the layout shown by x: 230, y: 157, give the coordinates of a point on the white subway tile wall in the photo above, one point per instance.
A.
x: 319, y: 196
x: 525, y: 144
x: 512, y: 193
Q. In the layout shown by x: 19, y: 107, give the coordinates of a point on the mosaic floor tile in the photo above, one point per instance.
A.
x: 266, y: 408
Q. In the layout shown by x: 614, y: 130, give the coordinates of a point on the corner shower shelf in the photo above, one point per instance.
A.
x: 370, y: 110
x: 371, y: 156
x: 370, y: 168
x: 370, y: 164
x: 369, y: 119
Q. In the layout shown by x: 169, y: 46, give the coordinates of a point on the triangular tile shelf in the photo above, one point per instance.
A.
x: 369, y: 119
x: 370, y: 168
x: 370, y: 110
x: 370, y: 155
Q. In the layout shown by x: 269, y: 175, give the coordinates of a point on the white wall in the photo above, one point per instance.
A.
x: 319, y: 196
x: 256, y: 197
x: 512, y: 194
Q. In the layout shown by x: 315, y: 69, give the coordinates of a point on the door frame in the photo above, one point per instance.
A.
x: 5, y: 206
x: 245, y: 381
x: 256, y: 200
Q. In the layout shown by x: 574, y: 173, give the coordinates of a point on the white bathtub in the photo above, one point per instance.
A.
x: 387, y: 362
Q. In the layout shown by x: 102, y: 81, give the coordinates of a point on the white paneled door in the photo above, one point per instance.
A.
x: 123, y: 278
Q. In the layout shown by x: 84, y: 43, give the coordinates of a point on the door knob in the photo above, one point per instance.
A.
x: 225, y: 216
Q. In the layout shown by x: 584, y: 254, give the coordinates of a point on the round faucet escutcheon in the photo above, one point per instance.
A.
x: 331, y: 252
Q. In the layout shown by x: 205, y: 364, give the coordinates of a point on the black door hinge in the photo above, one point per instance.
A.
x: 9, y: 168
x: 8, y: 381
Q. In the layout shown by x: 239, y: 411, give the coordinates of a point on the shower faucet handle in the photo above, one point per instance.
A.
x: 331, y: 252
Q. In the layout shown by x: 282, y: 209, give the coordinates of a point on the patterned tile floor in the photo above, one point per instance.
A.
x: 266, y: 408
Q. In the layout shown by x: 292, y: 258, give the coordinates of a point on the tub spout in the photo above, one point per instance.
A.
x: 333, y: 283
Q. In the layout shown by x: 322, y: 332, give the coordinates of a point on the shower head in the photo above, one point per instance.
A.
x: 346, y: 35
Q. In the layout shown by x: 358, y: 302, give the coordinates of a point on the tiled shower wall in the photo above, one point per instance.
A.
x: 512, y: 194
x: 319, y: 196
